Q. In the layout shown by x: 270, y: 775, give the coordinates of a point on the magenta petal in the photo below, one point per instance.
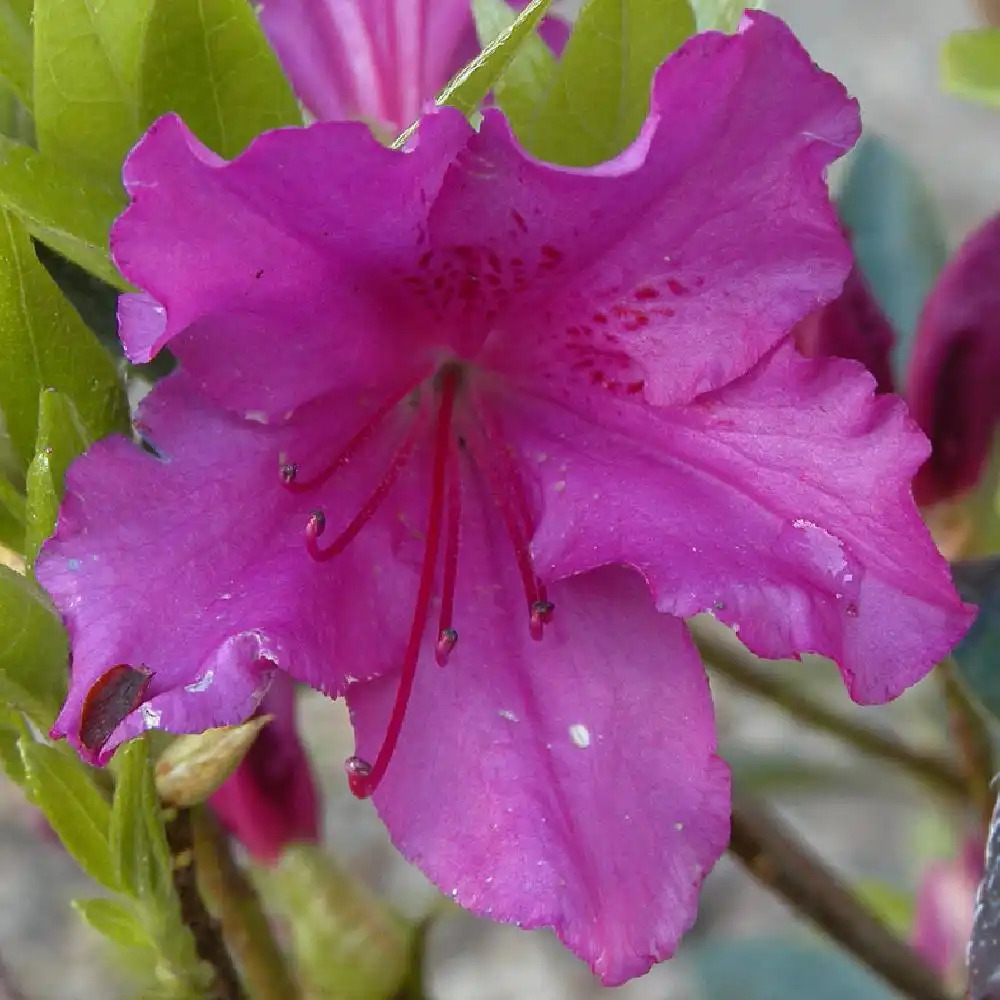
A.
x: 194, y: 567
x: 570, y: 782
x: 955, y: 369
x: 780, y: 503
x: 370, y: 60
x: 270, y: 800
x: 692, y: 253
x: 851, y: 326
x: 291, y: 249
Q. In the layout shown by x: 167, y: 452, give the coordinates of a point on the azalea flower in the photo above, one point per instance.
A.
x: 270, y: 800
x: 465, y: 437
x: 955, y: 365
x: 955, y: 368
x: 375, y: 60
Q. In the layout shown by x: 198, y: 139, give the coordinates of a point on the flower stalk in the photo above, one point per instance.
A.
x: 739, y: 666
x: 973, y: 741
x: 762, y: 843
x: 245, y: 928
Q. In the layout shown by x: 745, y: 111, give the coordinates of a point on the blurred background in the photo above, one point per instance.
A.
x: 882, y: 834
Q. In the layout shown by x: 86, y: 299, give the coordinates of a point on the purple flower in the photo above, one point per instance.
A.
x: 452, y: 404
x: 375, y: 60
x: 270, y: 800
x: 851, y: 326
x: 954, y: 374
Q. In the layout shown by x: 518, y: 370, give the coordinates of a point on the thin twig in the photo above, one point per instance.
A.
x: 777, y: 859
x: 973, y: 741
x: 208, y: 942
x: 245, y: 927
x: 740, y: 666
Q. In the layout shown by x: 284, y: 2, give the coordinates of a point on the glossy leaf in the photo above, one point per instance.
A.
x: 87, y: 55
x: 61, y: 437
x: 469, y: 87
x: 15, y: 49
x: 896, y: 234
x: 528, y: 76
x: 114, y: 920
x: 767, y: 968
x: 33, y: 650
x: 978, y: 654
x: 984, y: 947
x: 12, y: 728
x: 211, y: 63
x: 722, y: 15
x: 138, y: 842
x: 61, y: 209
x: 599, y: 97
x: 44, y: 344
x: 63, y: 787
x: 970, y: 65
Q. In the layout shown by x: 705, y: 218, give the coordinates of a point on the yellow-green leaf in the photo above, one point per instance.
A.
x: 64, y: 789
x: 210, y: 63
x: 970, y: 65
x: 44, y: 344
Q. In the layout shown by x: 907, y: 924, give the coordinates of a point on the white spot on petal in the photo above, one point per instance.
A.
x: 580, y: 735
x: 506, y: 713
x: 679, y: 827
x: 257, y: 416
x: 203, y: 683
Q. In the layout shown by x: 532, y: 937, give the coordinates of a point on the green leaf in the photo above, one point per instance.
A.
x: 769, y: 968
x: 970, y: 65
x: 978, y: 654
x: 599, y: 97
x: 15, y: 49
x: 467, y: 89
x: 44, y: 344
x: 33, y: 652
x: 12, y: 728
x: 211, y: 63
x: 64, y: 788
x: 138, y: 842
x: 896, y: 234
x: 86, y: 69
x: 723, y: 15
x: 61, y: 209
x: 61, y: 437
x: 529, y: 74
x: 117, y: 921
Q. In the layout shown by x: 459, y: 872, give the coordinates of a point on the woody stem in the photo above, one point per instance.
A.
x: 768, y: 850
x: 739, y: 666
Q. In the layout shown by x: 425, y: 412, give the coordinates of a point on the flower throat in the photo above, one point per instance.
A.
x: 487, y: 453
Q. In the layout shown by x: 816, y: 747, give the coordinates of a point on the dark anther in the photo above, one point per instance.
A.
x: 289, y: 472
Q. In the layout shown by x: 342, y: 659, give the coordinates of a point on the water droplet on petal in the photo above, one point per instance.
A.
x: 580, y: 735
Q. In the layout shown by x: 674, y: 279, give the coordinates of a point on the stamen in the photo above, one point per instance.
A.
x: 541, y: 614
x: 317, y: 520
x: 290, y: 470
x: 447, y: 636
x: 516, y: 517
x: 362, y: 777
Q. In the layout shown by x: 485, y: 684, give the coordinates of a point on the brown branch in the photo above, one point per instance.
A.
x: 740, y: 667
x: 973, y: 741
x: 244, y: 924
x: 208, y: 941
x: 777, y: 859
